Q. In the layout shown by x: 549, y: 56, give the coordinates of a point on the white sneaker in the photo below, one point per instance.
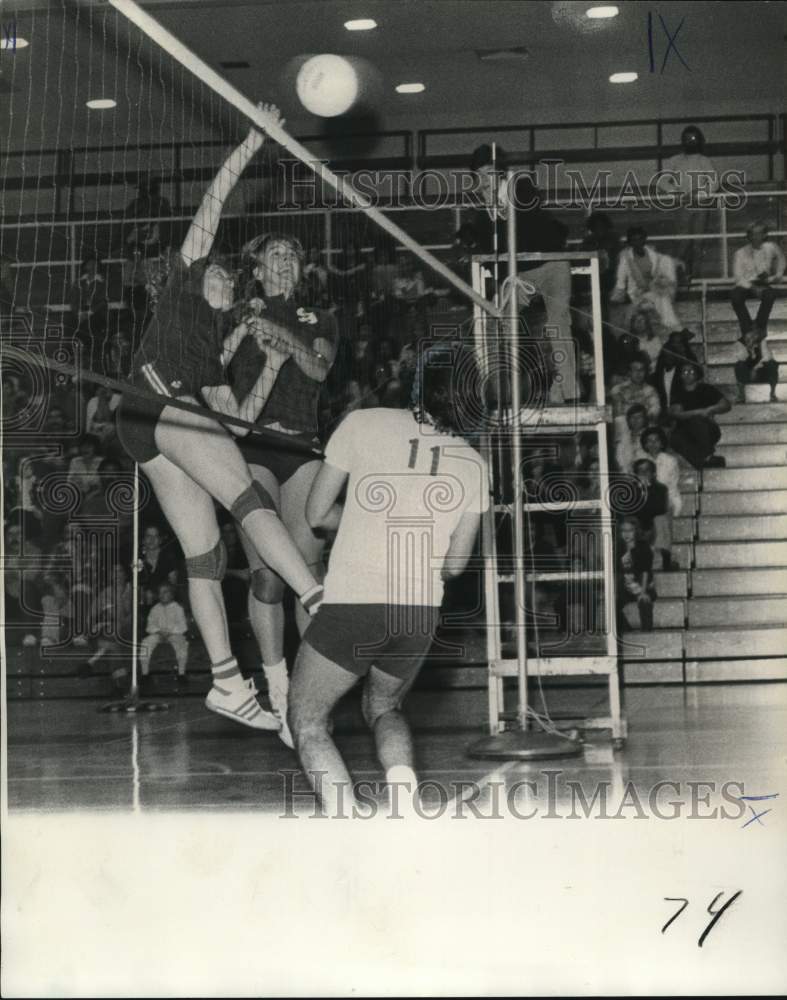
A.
x: 278, y: 699
x: 240, y: 704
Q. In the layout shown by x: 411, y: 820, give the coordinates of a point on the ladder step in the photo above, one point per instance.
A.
x: 555, y: 666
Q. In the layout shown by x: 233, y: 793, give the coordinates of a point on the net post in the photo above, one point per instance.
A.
x: 516, y: 406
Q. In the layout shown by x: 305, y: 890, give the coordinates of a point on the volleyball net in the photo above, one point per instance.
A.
x: 118, y: 134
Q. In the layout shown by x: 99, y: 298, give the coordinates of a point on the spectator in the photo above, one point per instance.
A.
x: 647, y: 278
x: 654, y: 446
x: 654, y: 512
x: 755, y: 363
x: 22, y: 586
x: 692, y: 176
x: 145, y: 240
x: 635, y: 574
x: 100, y: 413
x: 166, y: 623
x: 83, y: 470
x: 89, y: 310
x: 636, y: 390
x: 641, y: 328
x: 627, y: 436
x: 112, y: 616
x: 159, y: 564
x: 601, y: 236
x: 537, y: 231
x: 695, y: 405
x: 7, y: 285
x: 756, y: 267
x: 55, y: 604
x: 667, y: 379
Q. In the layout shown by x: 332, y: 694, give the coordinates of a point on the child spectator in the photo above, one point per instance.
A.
x: 755, y: 363
x: 654, y: 511
x: 166, y: 623
x: 635, y: 574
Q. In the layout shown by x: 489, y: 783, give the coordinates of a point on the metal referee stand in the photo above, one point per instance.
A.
x: 528, y: 739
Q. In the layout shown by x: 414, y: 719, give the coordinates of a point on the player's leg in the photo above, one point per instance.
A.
x: 205, y: 451
x: 190, y: 512
x: 383, y: 694
x: 317, y: 685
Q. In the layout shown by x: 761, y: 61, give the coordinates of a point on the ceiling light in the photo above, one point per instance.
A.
x: 623, y: 77
x: 100, y: 103
x: 410, y: 88
x: 360, y: 24
x: 13, y: 43
x: 598, y: 13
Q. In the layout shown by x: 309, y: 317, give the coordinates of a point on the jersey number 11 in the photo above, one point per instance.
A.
x: 414, y: 442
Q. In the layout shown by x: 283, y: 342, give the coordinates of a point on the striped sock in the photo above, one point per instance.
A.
x: 312, y: 599
x: 226, y: 674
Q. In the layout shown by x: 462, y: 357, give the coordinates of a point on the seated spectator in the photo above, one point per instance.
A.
x: 55, y: 604
x: 654, y: 514
x: 667, y: 379
x: 754, y: 363
x: 22, y: 583
x: 166, y: 623
x: 113, y: 615
x: 693, y: 176
x: 627, y: 434
x: 83, y: 470
x: 635, y: 390
x: 538, y: 231
x: 100, y: 413
x: 641, y: 327
x: 647, y: 278
x: 159, y: 564
x: 634, y: 574
x: 696, y: 433
x: 756, y: 267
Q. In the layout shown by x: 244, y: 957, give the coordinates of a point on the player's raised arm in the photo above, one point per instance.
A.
x: 202, y: 231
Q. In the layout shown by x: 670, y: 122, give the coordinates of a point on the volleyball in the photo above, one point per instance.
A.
x: 327, y: 85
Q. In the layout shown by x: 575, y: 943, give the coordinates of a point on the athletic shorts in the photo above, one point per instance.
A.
x: 282, y: 462
x: 395, y: 638
x: 136, y: 421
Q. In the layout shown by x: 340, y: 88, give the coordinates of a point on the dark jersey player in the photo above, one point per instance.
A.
x: 415, y: 494
x: 189, y: 458
x: 294, y: 347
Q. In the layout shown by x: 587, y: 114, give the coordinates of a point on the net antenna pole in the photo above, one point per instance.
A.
x: 269, y: 124
x: 132, y: 704
x: 521, y: 743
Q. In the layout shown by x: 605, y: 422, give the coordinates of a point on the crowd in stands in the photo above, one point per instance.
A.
x: 76, y: 582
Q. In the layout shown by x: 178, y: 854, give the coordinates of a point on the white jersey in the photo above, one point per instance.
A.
x: 408, y: 487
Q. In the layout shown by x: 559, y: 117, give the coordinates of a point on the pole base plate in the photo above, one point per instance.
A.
x: 527, y: 745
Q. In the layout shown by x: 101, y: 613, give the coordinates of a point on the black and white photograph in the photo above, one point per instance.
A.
x: 394, y: 492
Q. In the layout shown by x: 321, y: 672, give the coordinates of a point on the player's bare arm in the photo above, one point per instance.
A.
x: 323, y: 512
